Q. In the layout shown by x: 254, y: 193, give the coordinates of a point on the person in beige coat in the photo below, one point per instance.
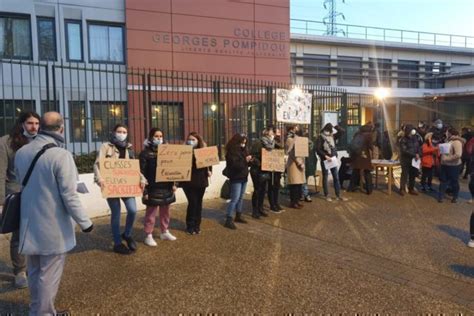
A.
x: 451, y: 165
x: 294, y: 169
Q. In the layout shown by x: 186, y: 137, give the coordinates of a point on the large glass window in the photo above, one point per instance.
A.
x: 74, y: 40
x: 432, y: 71
x: 168, y: 116
x: 106, y: 43
x: 407, y: 74
x: 15, y: 37
x: 46, y: 38
x: 316, y: 69
x: 349, y: 71
x: 105, y: 115
x: 9, y: 111
x: 379, y: 72
x: 77, y: 121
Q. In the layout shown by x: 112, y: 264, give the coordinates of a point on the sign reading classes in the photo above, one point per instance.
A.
x: 121, y: 176
x: 174, y: 163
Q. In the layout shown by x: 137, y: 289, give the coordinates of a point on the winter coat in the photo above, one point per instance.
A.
x: 320, y: 147
x: 8, y: 181
x: 363, y: 160
x: 428, y: 153
x: 409, y: 148
x: 155, y: 193
x: 49, y: 202
x: 237, y: 165
x: 312, y: 160
x: 295, y: 165
x: 455, y: 152
x: 199, y: 177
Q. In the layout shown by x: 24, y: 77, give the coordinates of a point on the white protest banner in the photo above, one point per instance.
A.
x: 174, y: 163
x: 121, y: 176
x: 444, y: 148
x: 301, y: 147
x: 206, y: 157
x: 273, y: 160
x: 293, y: 106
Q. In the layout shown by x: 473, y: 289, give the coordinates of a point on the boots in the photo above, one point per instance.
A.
x: 239, y: 219
x: 229, y: 223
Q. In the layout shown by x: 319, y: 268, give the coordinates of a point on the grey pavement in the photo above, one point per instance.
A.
x: 377, y: 254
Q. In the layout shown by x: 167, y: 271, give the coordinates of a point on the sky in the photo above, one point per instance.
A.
x: 438, y: 16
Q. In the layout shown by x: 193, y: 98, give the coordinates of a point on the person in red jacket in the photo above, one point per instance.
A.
x: 429, y: 154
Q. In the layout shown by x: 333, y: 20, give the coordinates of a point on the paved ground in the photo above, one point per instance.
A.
x: 371, y: 254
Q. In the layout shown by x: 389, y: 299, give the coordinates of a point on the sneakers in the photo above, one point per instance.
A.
x: 131, y: 244
x: 328, y: 199
x: 308, y: 199
x: 454, y: 200
x: 121, y: 249
x: 167, y: 236
x: 277, y: 211
x: 470, y: 244
x: 21, y: 281
x: 341, y: 198
x: 262, y: 213
x: 190, y: 231
x: 469, y: 201
x: 296, y: 206
x: 149, y: 241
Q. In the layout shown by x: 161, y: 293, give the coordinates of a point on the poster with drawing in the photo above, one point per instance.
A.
x: 293, y: 106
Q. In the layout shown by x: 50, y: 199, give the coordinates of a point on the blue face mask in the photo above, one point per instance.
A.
x: 192, y: 143
x: 157, y: 141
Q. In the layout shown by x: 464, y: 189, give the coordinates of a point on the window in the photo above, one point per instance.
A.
x: 379, y: 72
x: 48, y: 106
x: 105, y: 115
x: 15, y: 37
x: 349, y: 71
x: 316, y: 69
x: 46, y: 38
x: 74, y: 40
x: 9, y: 111
x: 168, y: 116
x: 77, y: 121
x: 432, y: 70
x: 407, y: 74
x: 106, y: 43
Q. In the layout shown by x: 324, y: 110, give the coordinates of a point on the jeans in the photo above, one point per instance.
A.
x: 18, y: 260
x: 131, y: 206
x: 237, y: 191
x: 426, y: 176
x: 305, y: 189
x: 408, y: 173
x: 335, y: 179
x: 449, y: 175
x: 194, y: 210
x: 150, y: 218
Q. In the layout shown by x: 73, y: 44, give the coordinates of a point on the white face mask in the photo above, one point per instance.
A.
x: 28, y: 135
x: 439, y: 126
x: 420, y: 125
x: 192, y: 142
x: 413, y: 132
x: 157, y: 141
x: 327, y: 133
x: 272, y: 137
x: 121, y: 137
x: 242, y: 145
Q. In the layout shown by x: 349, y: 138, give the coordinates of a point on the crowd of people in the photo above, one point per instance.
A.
x: 51, y: 199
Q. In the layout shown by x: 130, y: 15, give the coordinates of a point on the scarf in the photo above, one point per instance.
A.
x: 118, y: 143
x: 329, y: 145
x: 268, y: 143
x: 60, y: 141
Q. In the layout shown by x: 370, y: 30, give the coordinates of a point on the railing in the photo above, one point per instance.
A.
x: 309, y: 27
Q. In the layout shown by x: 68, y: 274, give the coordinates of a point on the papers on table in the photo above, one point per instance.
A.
x: 416, y: 163
x: 444, y: 148
x: 329, y: 164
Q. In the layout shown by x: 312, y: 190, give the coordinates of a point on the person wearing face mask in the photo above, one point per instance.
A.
x: 237, y: 165
x: 295, y: 169
x: 261, y: 179
x: 194, y: 189
x: 119, y: 148
x: 25, y: 129
x: 409, y: 149
x: 157, y: 195
x: 439, y: 132
x: 49, y: 207
x: 451, y: 165
x: 326, y: 149
x: 422, y: 129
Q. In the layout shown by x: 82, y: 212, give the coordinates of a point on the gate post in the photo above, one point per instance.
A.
x: 216, y: 99
x: 344, y: 118
x: 269, y: 105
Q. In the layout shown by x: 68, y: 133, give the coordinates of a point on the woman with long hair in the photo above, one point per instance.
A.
x: 25, y: 129
x: 119, y: 148
x: 156, y: 194
x: 237, y: 165
x: 194, y: 189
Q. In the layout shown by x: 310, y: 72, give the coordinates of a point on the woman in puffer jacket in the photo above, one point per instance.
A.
x: 157, y: 195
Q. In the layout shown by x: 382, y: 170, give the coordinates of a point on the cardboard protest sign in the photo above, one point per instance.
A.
x: 293, y: 106
x: 121, y: 176
x: 207, y: 156
x: 174, y: 163
x: 301, y: 147
x: 273, y: 160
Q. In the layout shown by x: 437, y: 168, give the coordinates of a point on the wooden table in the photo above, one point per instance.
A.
x: 389, y: 164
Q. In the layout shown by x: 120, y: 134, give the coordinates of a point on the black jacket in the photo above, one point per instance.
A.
x: 158, y: 193
x: 409, y: 148
x: 199, y: 177
x: 322, y: 153
x: 236, y: 165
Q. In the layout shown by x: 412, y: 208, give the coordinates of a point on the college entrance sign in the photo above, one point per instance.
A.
x: 293, y: 106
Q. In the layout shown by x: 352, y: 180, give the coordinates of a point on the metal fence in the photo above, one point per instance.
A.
x: 93, y: 98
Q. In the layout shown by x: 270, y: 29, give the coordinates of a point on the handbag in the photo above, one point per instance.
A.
x: 10, y: 219
x: 225, y: 190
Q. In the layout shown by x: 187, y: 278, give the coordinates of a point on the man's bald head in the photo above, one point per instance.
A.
x: 52, y: 121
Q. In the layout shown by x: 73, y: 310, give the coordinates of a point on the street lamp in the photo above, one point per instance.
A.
x: 380, y: 95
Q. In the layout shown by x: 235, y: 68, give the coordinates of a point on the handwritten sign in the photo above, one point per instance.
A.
x: 121, y: 176
x: 273, y: 160
x: 293, y: 106
x: 301, y: 147
x: 174, y: 163
x: 206, y: 157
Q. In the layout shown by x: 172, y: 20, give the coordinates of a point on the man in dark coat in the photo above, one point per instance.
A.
x: 361, y: 149
x: 409, y: 149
